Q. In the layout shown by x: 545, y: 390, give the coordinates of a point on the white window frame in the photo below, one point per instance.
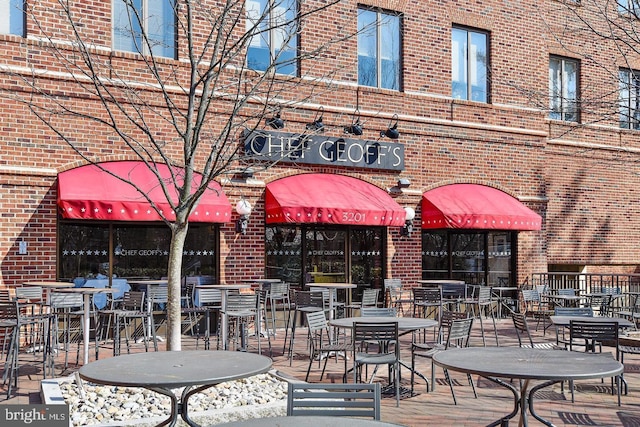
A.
x: 381, y: 51
x: 629, y: 7
x: 143, y: 49
x: 12, y: 17
x: 629, y: 99
x: 277, y: 39
x: 470, y: 63
x: 562, y: 106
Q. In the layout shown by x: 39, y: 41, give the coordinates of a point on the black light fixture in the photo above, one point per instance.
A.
x: 317, y: 125
x: 276, y: 121
x: 243, y: 208
x: 404, y: 183
x: 410, y: 214
x: 355, y: 128
x: 392, y: 130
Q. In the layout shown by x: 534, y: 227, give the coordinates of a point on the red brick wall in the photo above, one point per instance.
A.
x: 585, y: 192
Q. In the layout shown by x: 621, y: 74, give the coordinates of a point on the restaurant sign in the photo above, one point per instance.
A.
x: 321, y: 150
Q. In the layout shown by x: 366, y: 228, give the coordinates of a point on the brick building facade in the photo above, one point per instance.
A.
x: 578, y: 172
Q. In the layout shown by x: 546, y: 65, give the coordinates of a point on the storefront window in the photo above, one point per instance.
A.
x: 326, y: 254
x: 283, y: 246
x: 475, y: 257
x: 326, y: 260
x: 135, y: 251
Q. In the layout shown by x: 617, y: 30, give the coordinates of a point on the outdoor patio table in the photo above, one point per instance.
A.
x: 86, y: 292
x: 307, y: 421
x: 166, y: 370
x: 564, y: 321
x: 525, y: 364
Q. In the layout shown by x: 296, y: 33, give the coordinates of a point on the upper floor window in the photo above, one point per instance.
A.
x: 629, y: 99
x: 378, y: 49
x: 145, y: 27
x: 469, y: 64
x: 12, y: 17
x: 629, y: 7
x: 563, y: 89
x: 275, y: 35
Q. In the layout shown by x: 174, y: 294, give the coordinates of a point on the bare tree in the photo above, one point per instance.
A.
x: 188, y: 113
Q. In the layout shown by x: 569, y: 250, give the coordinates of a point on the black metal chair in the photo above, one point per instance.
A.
x: 459, y: 331
x: 594, y: 335
x: 320, y: 345
x: 387, y: 353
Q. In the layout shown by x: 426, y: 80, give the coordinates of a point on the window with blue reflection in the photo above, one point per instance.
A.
x: 274, y: 39
x: 469, y: 65
x: 378, y: 49
x: 132, y: 19
x: 12, y: 17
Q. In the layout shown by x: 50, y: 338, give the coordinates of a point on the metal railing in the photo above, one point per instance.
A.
x: 588, y: 282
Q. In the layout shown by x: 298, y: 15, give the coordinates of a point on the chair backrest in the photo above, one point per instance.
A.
x: 158, y: 294
x: 208, y: 297
x: 378, y: 312
x: 459, y: 333
x: 242, y: 303
x: 542, y: 289
x: 279, y: 290
x: 530, y: 296
x: 30, y: 293
x: 602, y: 332
x: 484, y: 294
x: 308, y: 299
x: 574, y: 311
x: 522, y: 328
x: 317, y: 321
x: 369, y: 298
x: 334, y: 399
x: 5, y: 296
x: 427, y: 295
x: 63, y: 300
x: 382, y: 332
x: 567, y: 291
x: 133, y: 300
x: 392, y: 284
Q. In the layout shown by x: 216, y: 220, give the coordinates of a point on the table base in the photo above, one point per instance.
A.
x: 522, y: 400
x: 179, y: 406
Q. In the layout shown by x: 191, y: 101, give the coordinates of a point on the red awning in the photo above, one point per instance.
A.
x: 330, y: 199
x: 473, y: 206
x: 88, y: 192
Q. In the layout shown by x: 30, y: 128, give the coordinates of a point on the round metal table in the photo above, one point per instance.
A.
x: 307, y: 421
x: 166, y: 370
x: 550, y: 366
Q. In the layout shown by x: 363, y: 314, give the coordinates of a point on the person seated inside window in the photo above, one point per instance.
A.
x: 95, y: 273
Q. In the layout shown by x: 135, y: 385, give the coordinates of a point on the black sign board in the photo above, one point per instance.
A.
x: 321, y: 150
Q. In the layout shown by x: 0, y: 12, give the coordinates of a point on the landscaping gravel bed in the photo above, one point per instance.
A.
x: 258, y: 396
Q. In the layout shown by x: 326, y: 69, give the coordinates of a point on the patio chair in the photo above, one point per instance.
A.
x: 426, y: 349
x: 303, y: 302
x: 66, y: 307
x: 203, y: 302
x: 337, y: 400
x: 387, y: 353
x: 481, y: 304
x: 279, y: 296
x: 561, y: 331
x: 595, y: 335
x: 427, y: 302
x: 369, y: 299
x: 131, y: 316
x: 523, y: 333
x: 320, y: 345
x: 536, y: 308
x: 395, y: 295
x: 241, y: 310
x: 458, y: 336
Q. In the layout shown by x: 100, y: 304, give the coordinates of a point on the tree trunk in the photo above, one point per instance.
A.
x: 174, y: 312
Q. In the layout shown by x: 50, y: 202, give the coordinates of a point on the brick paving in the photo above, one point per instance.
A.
x: 594, y: 405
